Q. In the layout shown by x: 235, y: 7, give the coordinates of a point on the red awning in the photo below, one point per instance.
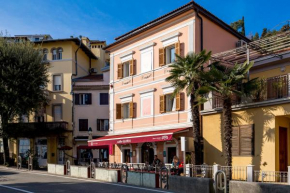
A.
x: 164, y: 135
x: 90, y: 147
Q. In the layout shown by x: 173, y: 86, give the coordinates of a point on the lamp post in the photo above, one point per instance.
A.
x: 90, y: 131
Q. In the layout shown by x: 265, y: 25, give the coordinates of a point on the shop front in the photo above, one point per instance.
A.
x: 142, y: 147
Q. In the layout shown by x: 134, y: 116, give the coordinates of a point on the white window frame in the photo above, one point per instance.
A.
x: 61, y: 112
x: 168, y: 53
x: 126, y: 71
x: 61, y: 81
x: 144, y: 51
x: 128, y: 110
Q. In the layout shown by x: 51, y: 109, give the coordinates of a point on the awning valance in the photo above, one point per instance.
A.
x: 152, y: 136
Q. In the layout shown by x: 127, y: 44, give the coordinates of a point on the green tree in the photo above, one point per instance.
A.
x: 23, y: 79
x: 239, y: 26
x: 185, y: 75
x: 256, y: 36
x: 228, y: 83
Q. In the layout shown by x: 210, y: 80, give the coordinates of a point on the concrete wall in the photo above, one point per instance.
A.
x: 142, y: 179
x: 182, y: 184
x: 59, y: 169
x: 108, y: 175
x: 79, y: 171
x: 51, y: 168
x: 250, y: 187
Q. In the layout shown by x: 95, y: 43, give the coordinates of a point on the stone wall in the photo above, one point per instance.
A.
x: 181, y: 184
x: 256, y: 187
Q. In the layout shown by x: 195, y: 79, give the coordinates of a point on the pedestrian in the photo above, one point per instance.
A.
x: 156, y: 161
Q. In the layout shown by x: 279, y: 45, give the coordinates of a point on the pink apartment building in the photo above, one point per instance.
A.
x: 145, y: 120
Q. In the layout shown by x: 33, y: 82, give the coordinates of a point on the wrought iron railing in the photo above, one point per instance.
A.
x: 202, y: 171
x: 238, y: 173
x: 270, y: 88
x: 271, y: 176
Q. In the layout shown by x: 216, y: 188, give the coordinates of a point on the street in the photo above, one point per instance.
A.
x: 13, y: 181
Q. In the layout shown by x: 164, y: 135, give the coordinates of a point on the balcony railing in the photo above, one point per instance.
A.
x: 271, y: 88
x: 36, y: 129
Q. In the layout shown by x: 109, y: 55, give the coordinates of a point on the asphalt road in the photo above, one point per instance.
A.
x: 14, y: 181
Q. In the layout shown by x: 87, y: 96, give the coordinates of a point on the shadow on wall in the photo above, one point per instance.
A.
x: 264, y: 127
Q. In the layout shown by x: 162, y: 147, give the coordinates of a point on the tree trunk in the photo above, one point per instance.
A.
x: 196, y: 157
x: 4, y: 123
x: 228, y: 130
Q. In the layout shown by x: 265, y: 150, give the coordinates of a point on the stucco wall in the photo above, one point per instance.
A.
x: 266, y: 121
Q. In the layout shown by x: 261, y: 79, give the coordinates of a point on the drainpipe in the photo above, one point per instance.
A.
x: 76, y: 57
x: 201, y: 29
x: 72, y: 93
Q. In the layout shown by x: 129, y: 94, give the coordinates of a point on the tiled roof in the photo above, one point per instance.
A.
x: 172, y: 14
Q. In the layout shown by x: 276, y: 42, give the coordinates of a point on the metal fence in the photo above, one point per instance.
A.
x: 202, y: 171
x: 271, y: 176
x: 238, y: 173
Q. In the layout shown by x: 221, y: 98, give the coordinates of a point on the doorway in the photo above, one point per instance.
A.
x: 171, y: 153
x: 126, y: 156
x: 41, y: 149
x: 147, y: 153
x: 283, y: 151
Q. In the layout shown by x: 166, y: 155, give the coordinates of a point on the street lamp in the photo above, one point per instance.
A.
x: 90, y: 131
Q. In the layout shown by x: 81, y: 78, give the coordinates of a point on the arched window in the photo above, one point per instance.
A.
x: 59, y: 53
x: 54, y: 54
x: 45, y: 52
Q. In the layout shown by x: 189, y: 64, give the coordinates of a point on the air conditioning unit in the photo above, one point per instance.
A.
x: 240, y: 43
x: 93, y: 70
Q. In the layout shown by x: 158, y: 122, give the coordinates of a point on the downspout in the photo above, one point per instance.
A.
x: 201, y: 29
x: 72, y: 93
x: 90, y: 66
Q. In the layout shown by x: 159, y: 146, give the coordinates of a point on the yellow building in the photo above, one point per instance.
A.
x: 50, y: 130
x: 261, y: 125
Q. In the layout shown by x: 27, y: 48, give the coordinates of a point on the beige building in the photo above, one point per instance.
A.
x: 53, y: 126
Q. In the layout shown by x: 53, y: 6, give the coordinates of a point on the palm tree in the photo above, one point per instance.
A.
x: 185, y: 75
x: 228, y: 83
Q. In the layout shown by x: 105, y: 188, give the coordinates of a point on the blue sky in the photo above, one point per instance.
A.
x: 107, y: 19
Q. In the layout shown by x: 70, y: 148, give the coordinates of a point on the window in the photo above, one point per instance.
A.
x: 59, y: 53
x: 243, y: 140
x: 45, y: 52
x: 167, y: 54
x: 83, y: 99
x: 36, y: 39
x: 83, y: 125
x: 170, y: 54
x: 169, y: 103
x: 126, y: 110
x: 146, y: 59
x: 24, y: 118
x: 57, y: 112
x: 1, y: 146
x: 126, y: 69
x: 24, y: 147
x: 57, y: 83
x: 103, y: 124
x: 104, y: 98
x: 54, y: 54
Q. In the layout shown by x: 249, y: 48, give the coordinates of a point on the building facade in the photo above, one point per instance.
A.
x: 260, y: 124
x: 91, y: 115
x: 145, y: 119
x: 67, y: 59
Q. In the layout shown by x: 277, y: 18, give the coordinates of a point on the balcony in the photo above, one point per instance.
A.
x: 270, y: 89
x: 36, y: 129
